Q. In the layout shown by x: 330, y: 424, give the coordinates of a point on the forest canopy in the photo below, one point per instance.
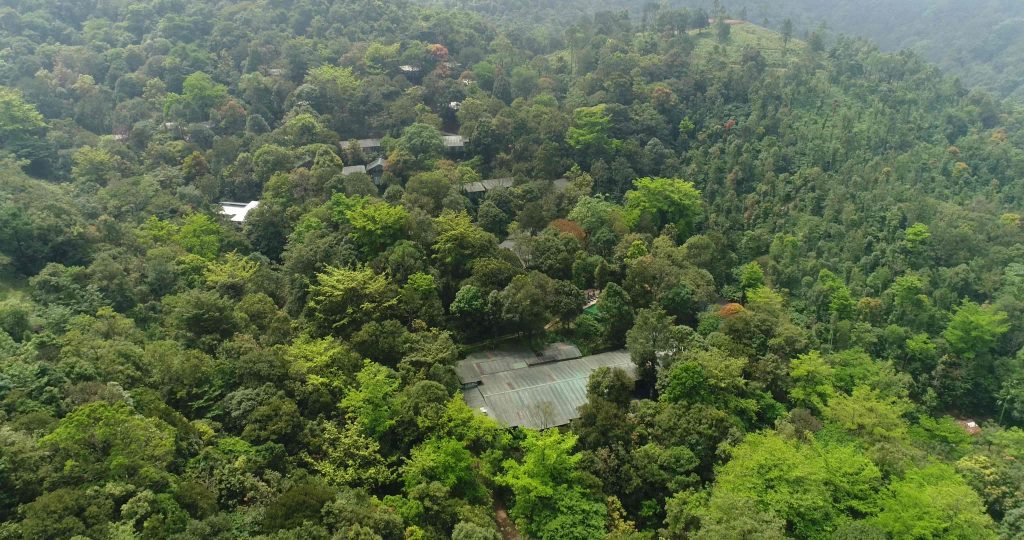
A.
x: 244, y: 246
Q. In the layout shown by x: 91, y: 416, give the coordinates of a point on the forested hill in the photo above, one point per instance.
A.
x: 812, y: 252
x: 981, y: 41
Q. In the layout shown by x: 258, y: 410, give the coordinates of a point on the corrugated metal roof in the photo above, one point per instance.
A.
x: 483, y: 363
x: 555, y: 352
x: 352, y: 169
x: 545, y: 395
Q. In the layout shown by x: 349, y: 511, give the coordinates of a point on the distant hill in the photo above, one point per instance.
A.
x: 981, y: 41
x: 983, y: 44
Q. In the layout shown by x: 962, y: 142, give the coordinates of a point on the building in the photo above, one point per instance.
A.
x: 370, y: 145
x: 479, y: 189
x: 521, y: 389
x: 376, y: 170
x: 237, y: 212
x: 454, y: 143
x: 353, y: 169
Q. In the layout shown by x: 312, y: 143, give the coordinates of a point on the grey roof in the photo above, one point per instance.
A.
x: 490, y: 362
x: 560, y: 184
x: 555, y: 352
x: 487, y: 185
x: 352, y: 169
x: 494, y: 183
x: 473, y: 187
x: 377, y: 163
x: 367, y: 144
x: 453, y: 141
x: 544, y: 395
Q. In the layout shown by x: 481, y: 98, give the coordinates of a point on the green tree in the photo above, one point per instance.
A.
x: 664, y: 201
x: 590, y: 132
x: 371, y: 403
x: 95, y: 165
x: 459, y: 242
x: 446, y: 461
x: 343, y: 299
x: 549, y: 503
x: 974, y: 330
x: 102, y: 441
x: 933, y: 502
x: 813, y: 381
x: 347, y: 457
x: 422, y: 142
x: 21, y: 125
x: 199, y: 95
x: 376, y: 225
x: 810, y: 488
x: 650, y: 340
x: 200, y: 236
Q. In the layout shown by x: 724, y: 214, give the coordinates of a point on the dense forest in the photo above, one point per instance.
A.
x: 812, y: 250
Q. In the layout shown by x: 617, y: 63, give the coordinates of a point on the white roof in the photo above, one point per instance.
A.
x: 237, y: 211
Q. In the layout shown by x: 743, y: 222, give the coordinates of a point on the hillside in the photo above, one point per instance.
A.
x: 982, y: 42
x: 311, y: 269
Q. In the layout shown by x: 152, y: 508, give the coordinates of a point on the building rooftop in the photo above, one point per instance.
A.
x: 453, y: 141
x: 537, y: 396
x: 369, y: 144
x: 487, y: 185
x: 352, y: 169
x: 237, y: 211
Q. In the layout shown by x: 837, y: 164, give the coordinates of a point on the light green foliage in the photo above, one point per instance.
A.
x: 916, y: 236
x: 665, y: 201
x: 199, y: 94
x: 869, y: 415
x: 974, y: 330
x: 808, y: 487
x: 933, y: 502
x: 590, y: 131
x: 20, y: 124
x: 332, y: 79
x: 813, y: 380
x: 548, y: 501
x: 104, y: 441
x: 459, y: 242
x: 95, y: 166
x: 448, y: 462
x: 422, y: 143
x: 708, y: 377
x: 376, y: 224
x: 200, y: 236
x: 232, y: 273
x: 750, y: 276
x: 370, y: 403
x: 350, y: 458
x: 343, y: 299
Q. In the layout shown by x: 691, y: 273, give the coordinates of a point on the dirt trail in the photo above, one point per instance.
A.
x: 505, y: 525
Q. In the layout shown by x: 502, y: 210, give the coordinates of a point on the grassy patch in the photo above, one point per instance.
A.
x: 11, y: 287
x: 744, y: 36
